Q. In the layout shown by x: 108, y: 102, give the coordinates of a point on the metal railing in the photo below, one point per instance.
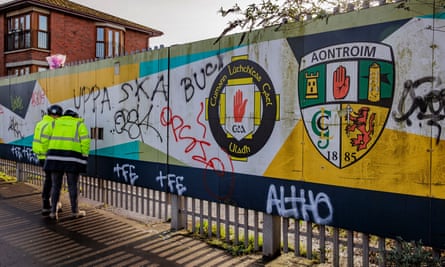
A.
x: 233, y: 225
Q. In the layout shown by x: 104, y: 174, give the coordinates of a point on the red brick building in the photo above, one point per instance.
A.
x: 35, y: 29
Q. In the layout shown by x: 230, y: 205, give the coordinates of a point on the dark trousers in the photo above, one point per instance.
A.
x: 73, y: 181
x: 46, y: 190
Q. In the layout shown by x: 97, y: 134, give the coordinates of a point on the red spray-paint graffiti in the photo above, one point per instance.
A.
x: 199, y: 148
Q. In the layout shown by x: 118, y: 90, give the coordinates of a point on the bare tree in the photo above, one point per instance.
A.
x: 276, y: 12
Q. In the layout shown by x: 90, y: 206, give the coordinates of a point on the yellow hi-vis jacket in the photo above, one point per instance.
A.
x: 68, y: 146
x: 37, y: 145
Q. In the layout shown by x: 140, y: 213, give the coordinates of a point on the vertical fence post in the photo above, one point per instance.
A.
x: 285, y: 234
x: 271, y: 236
x: 19, y: 172
x: 365, y: 250
x: 178, y: 217
x: 322, y: 239
x: 350, y: 248
x: 382, y: 252
x: 308, y: 240
x: 336, y: 249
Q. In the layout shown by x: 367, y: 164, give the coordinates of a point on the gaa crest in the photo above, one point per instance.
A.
x: 242, y: 108
x: 345, y: 95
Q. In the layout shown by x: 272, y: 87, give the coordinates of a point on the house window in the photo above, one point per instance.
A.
x: 24, y: 69
x: 42, y: 34
x: 100, y: 43
x: 109, y: 42
x: 19, y: 32
x: 23, y: 34
x: 19, y: 71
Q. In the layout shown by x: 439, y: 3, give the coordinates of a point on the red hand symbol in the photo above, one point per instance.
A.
x: 341, y: 83
x: 239, y: 106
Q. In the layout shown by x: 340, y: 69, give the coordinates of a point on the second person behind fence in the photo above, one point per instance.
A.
x: 39, y: 148
x: 68, y: 150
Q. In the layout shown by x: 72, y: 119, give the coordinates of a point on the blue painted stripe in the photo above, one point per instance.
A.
x: 125, y: 151
x: 158, y: 65
x: 434, y: 16
x: 26, y: 141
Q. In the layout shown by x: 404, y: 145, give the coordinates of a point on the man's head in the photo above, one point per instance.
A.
x: 70, y: 112
x: 55, y: 111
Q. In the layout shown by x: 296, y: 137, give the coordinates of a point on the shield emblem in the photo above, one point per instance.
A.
x: 345, y: 93
x: 239, y: 109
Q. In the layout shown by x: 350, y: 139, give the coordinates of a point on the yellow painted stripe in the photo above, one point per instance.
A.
x: 63, y: 87
x: 278, y: 116
x: 235, y: 58
x: 240, y: 81
x: 398, y: 163
x: 222, y: 109
x: 207, y: 110
x: 257, y: 108
x: 239, y: 159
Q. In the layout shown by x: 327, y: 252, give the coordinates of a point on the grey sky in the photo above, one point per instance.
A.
x: 182, y: 21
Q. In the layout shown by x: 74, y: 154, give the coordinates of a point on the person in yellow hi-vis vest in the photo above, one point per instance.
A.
x: 68, y: 150
x: 53, y: 112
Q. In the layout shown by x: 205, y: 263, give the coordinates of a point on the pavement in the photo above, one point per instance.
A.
x: 102, y: 238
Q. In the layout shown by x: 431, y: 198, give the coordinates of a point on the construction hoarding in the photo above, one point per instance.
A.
x: 335, y: 121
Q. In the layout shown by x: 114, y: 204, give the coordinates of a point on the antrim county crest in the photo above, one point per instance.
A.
x: 345, y: 95
x: 242, y: 108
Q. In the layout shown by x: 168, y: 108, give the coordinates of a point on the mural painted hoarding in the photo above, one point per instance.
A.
x: 336, y: 122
